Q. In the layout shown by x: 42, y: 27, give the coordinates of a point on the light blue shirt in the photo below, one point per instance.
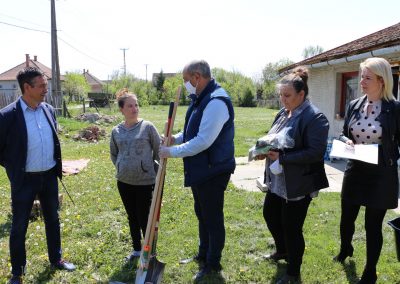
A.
x: 40, y: 156
x: 214, y: 117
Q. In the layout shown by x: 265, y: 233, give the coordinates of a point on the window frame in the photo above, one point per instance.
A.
x: 342, y: 104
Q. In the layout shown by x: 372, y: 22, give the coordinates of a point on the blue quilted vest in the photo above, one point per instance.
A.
x: 219, y: 157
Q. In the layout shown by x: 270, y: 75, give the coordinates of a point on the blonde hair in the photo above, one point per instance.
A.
x: 381, y: 68
x: 122, y: 95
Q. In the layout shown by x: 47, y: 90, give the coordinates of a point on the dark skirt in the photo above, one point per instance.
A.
x: 375, y: 186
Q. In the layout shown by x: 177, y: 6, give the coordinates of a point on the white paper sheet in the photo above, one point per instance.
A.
x: 365, y: 153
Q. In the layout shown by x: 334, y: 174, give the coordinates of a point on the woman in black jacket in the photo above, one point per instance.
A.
x: 303, y: 173
x: 370, y: 119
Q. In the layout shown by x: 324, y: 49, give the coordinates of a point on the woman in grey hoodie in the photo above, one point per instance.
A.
x: 134, y: 147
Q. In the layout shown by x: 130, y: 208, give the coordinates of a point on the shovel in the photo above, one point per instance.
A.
x: 150, y: 270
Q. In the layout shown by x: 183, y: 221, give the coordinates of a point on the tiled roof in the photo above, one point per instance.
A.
x: 92, y: 80
x: 384, y: 38
x: 11, y: 74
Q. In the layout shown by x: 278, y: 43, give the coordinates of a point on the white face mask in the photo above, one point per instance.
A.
x: 190, y: 88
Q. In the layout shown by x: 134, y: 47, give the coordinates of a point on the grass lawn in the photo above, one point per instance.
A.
x: 95, y: 233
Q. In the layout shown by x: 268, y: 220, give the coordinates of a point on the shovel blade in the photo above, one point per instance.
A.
x: 155, y: 271
x: 140, y: 276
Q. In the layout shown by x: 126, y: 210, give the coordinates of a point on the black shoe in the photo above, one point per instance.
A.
x: 289, y: 279
x: 64, y: 265
x: 368, y: 277
x: 275, y: 256
x: 200, y: 260
x: 15, y: 280
x: 207, y: 272
x: 343, y: 254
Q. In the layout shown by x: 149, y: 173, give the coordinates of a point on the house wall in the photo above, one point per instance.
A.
x: 325, y: 89
x: 96, y: 88
x: 10, y: 91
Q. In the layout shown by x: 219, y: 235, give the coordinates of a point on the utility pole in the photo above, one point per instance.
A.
x: 123, y: 50
x: 146, y: 71
x: 55, y: 66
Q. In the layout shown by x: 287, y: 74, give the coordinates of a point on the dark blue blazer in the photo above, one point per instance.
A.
x: 303, y: 165
x: 14, y: 142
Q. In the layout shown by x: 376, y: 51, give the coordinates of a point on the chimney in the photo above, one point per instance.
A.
x: 35, y: 58
x: 27, y: 60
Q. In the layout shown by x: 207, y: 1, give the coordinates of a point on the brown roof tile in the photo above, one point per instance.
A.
x: 92, y: 80
x: 12, y: 73
x: 384, y: 38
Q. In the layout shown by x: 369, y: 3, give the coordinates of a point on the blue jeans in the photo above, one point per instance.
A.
x: 209, y: 208
x: 44, y: 185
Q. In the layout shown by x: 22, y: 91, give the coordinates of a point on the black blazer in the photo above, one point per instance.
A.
x: 303, y: 165
x: 14, y: 142
x: 390, y: 121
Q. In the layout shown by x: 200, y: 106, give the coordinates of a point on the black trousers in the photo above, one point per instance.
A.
x: 137, y: 201
x: 45, y: 185
x: 373, y: 227
x: 285, y: 221
x: 209, y: 208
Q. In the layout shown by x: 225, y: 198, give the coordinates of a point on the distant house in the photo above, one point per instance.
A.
x: 96, y: 85
x: 334, y: 74
x: 9, y: 89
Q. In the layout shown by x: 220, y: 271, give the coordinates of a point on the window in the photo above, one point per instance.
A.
x: 14, y: 86
x: 396, y: 83
x: 1, y: 86
x: 348, y: 90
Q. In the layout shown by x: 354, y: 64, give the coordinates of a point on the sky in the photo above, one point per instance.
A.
x: 237, y: 35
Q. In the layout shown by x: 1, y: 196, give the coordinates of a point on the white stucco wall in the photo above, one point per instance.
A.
x: 325, y: 89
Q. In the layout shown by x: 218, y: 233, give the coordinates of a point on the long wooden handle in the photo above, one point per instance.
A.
x: 154, y: 214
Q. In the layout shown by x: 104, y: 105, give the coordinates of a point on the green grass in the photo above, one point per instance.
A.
x: 95, y: 233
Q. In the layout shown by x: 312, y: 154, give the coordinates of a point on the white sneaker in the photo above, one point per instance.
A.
x: 133, y: 254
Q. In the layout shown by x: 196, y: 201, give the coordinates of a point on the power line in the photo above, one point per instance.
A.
x: 21, y: 20
x: 70, y: 45
x: 21, y: 27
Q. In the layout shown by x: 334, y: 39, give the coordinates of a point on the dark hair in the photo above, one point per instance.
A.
x: 298, y: 79
x: 199, y: 66
x: 27, y: 75
x: 122, y: 95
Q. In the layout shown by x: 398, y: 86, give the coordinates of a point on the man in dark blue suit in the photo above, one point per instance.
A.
x: 31, y: 154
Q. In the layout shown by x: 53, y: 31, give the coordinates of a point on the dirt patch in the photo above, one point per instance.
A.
x: 90, y: 134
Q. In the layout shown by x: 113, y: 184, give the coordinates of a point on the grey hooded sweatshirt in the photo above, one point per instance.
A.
x: 133, y: 152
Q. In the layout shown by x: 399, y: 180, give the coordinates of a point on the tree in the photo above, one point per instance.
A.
x: 311, y: 51
x: 248, y: 99
x: 75, y: 86
x: 159, y: 83
x: 142, y: 89
x: 239, y: 87
x: 171, y: 84
x: 270, y: 76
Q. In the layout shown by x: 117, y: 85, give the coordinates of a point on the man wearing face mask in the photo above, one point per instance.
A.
x: 207, y: 148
